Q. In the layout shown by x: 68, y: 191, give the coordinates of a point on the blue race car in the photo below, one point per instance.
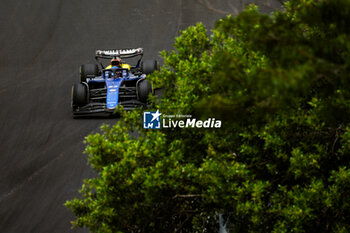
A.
x: 102, y: 89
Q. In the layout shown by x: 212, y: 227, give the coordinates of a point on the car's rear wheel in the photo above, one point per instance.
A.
x: 149, y: 66
x: 79, y: 95
x: 144, y: 89
x: 88, y: 71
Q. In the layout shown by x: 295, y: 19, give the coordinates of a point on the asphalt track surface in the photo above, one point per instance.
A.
x: 42, y: 45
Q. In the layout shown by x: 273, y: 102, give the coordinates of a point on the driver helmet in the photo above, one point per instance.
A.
x: 116, y: 62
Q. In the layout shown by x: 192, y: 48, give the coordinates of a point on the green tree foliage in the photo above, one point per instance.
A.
x: 280, y: 84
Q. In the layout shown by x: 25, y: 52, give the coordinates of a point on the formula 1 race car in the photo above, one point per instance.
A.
x: 102, y: 89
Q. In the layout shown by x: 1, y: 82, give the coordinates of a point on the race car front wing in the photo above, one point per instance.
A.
x: 97, y: 101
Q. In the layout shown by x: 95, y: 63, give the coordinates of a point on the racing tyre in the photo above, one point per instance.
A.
x: 79, y: 95
x: 88, y: 71
x: 149, y: 66
x: 144, y: 89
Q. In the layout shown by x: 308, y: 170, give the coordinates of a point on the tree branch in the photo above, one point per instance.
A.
x: 186, y: 196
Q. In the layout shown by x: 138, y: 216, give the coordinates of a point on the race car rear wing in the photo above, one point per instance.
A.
x: 122, y: 53
x: 119, y: 53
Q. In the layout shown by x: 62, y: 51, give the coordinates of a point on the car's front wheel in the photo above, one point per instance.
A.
x: 144, y: 89
x: 79, y: 95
